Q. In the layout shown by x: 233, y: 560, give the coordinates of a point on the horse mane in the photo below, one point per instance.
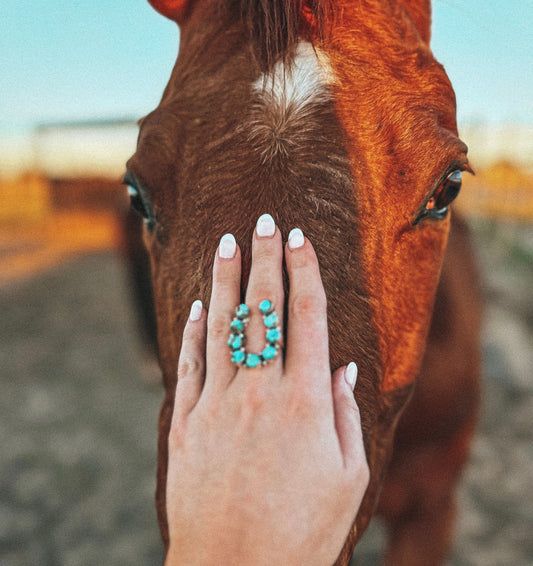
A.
x: 274, y: 26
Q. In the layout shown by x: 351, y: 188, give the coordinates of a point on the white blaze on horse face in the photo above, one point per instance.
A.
x: 283, y: 117
x: 304, y: 81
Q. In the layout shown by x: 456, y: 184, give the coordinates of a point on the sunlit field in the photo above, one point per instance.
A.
x: 49, y: 221
x: 502, y: 191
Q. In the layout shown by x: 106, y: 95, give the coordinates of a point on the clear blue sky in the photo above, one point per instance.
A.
x: 104, y: 58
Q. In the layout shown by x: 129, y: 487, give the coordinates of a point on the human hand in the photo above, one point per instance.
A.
x: 266, y: 465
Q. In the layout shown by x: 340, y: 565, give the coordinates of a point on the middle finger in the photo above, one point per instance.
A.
x: 265, y: 284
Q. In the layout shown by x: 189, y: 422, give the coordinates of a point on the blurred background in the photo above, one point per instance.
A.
x: 80, y: 389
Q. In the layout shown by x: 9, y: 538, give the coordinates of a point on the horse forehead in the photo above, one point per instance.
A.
x: 280, y: 109
x: 305, y: 78
x: 380, y: 91
x: 291, y: 89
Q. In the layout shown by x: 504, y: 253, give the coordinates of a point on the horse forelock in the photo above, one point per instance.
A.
x: 275, y: 26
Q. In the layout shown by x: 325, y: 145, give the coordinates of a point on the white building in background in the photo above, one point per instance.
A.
x: 76, y: 149
x: 489, y: 143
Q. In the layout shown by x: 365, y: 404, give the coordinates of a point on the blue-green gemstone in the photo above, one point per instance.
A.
x: 265, y: 306
x: 236, y: 325
x: 238, y: 356
x: 235, y: 342
x: 269, y: 352
x: 252, y: 360
x: 242, y: 311
x: 273, y: 335
x: 271, y: 320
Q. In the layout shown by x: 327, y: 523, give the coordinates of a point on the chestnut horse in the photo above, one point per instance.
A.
x: 334, y: 117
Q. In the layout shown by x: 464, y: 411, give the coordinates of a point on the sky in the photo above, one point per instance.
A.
x: 85, y: 59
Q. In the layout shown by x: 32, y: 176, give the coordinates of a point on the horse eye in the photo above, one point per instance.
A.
x: 437, y: 206
x: 137, y: 202
x: 446, y: 193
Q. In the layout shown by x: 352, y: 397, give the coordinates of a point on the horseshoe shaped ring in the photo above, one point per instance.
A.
x: 237, y: 340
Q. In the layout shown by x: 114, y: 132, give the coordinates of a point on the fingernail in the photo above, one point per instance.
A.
x: 196, y: 311
x: 227, y: 246
x: 296, y: 238
x: 265, y: 226
x: 351, y: 374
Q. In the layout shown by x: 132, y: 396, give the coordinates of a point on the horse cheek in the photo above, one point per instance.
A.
x: 404, y: 302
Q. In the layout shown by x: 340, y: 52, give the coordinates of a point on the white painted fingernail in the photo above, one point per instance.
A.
x: 351, y: 374
x: 296, y: 238
x: 227, y: 246
x: 265, y: 226
x: 196, y: 311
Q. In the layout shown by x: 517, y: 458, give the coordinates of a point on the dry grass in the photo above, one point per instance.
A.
x: 500, y: 192
x: 27, y: 248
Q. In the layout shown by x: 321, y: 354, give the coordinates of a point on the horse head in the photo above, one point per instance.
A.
x: 336, y: 118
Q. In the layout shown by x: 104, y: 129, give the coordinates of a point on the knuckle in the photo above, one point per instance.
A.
x: 188, y: 366
x: 208, y: 412
x: 212, y: 412
x: 266, y: 250
x: 254, y: 397
x: 307, y: 404
x: 308, y: 304
x: 224, y: 278
x: 263, y: 256
x: 258, y: 290
x: 219, y: 327
x: 263, y: 292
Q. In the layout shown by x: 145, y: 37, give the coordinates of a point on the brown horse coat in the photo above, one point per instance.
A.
x: 344, y: 125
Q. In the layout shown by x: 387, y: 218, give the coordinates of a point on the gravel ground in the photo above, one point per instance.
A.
x: 77, y: 423
x: 79, y: 406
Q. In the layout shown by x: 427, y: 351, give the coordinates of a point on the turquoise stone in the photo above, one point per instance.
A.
x: 271, y: 320
x: 273, y: 335
x: 252, y: 360
x: 265, y: 306
x: 269, y: 352
x: 235, y: 342
x: 242, y: 311
x: 238, y: 356
x: 237, y: 325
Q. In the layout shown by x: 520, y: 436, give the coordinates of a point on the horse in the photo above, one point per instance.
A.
x: 333, y: 116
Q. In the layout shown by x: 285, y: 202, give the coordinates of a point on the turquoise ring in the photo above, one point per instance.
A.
x: 237, y: 340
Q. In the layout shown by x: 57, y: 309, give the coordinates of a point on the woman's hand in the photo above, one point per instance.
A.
x: 266, y: 465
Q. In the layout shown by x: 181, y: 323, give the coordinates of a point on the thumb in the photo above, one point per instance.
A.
x: 347, y: 419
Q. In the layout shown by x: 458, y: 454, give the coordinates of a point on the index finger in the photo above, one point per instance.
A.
x: 307, y: 351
